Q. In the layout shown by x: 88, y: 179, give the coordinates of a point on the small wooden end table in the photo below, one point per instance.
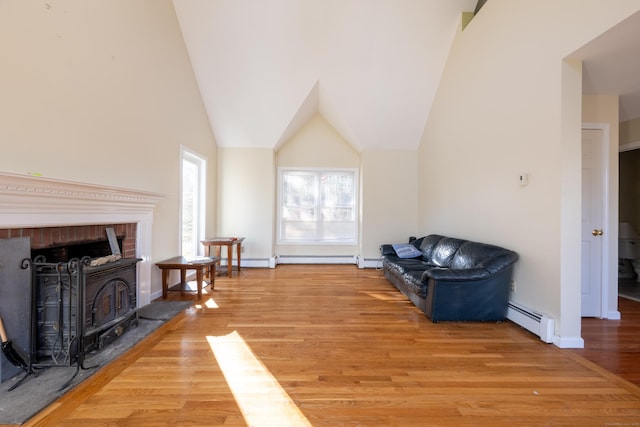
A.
x: 218, y: 242
x: 183, y: 264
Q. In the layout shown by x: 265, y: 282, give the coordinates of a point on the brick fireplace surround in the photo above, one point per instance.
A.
x: 47, y: 237
x: 52, y: 211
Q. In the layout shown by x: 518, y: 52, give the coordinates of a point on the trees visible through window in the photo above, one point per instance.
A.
x: 318, y: 206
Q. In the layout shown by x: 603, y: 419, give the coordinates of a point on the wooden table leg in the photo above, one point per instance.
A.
x: 238, y: 250
x: 165, y: 284
x: 212, y: 275
x: 183, y: 280
x: 229, y: 259
x: 199, y: 274
x: 207, y: 251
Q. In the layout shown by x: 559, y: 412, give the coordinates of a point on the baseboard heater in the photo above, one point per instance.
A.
x: 369, y: 262
x: 537, y: 323
x: 317, y: 259
x: 249, y: 262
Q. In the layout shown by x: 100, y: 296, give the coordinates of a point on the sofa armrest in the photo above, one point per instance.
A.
x: 386, y: 250
x: 469, y: 300
x: 455, y: 275
x: 500, y: 262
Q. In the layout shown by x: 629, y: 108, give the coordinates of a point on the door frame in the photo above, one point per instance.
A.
x: 608, y: 277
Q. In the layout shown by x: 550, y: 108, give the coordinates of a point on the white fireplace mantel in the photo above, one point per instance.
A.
x: 28, y: 201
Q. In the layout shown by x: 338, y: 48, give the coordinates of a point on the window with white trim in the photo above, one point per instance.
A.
x: 192, y: 209
x: 318, y: 206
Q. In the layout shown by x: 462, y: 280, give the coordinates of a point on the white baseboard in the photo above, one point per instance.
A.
x: 612, y: 315
x: 568, y: 342
x: 156, y: 295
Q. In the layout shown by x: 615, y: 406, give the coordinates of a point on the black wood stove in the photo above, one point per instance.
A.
x: 78, y: 307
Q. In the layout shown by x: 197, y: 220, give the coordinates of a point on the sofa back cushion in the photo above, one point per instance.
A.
x: 459, y: 254
x: 444, y: 251
x: 473, y: 255
x: 427, y: 243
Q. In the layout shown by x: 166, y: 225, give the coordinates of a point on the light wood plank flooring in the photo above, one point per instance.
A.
x: 339, y: 346
x: 615, y: 344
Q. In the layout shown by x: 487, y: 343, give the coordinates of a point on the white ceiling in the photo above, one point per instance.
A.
x: 370, y: 67
x: 611, y: 65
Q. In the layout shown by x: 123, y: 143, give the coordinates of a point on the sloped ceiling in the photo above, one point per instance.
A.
x: 370, y: 67
x: 611, y: 65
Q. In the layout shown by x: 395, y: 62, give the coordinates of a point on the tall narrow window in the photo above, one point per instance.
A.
x: 317, y: 206
x: 192, y: 204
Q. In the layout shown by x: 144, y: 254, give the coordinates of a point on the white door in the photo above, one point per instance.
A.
x: 592, y: 221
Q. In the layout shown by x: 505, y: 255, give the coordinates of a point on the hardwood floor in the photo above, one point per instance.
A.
x: 339, y: 346
x: 615, y: 344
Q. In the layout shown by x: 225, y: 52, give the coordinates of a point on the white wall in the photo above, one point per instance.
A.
x: 102, y: 92
x: 246, y: 208
x: 630, y: 131
x: 508, y: 104
x: 389, y: 202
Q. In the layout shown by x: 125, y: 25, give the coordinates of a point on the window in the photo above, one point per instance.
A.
x: 192, y: 203
x: 317, y: 206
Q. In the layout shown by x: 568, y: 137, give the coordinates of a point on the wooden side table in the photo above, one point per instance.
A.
x: 229, y: 242
x: 183, y: 264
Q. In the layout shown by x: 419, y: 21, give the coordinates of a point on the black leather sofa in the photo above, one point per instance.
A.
x: 452, y: 279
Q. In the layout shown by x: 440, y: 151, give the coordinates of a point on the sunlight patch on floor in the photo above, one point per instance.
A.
x: 261, y: 398
x: 210, y: 303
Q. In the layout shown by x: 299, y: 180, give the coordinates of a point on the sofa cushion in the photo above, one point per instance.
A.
x: 414, y: 283
x: 426, y: 245
x: 472, y: 254
x: 444, y: 251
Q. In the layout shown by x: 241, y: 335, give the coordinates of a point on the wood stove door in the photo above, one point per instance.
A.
x: 110, y: 296
x: 112, y: 302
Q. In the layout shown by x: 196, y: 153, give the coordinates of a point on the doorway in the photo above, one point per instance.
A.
x: 629, y: 219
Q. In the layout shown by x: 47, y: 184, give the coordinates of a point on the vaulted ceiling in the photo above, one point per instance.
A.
x: 370, y: 67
